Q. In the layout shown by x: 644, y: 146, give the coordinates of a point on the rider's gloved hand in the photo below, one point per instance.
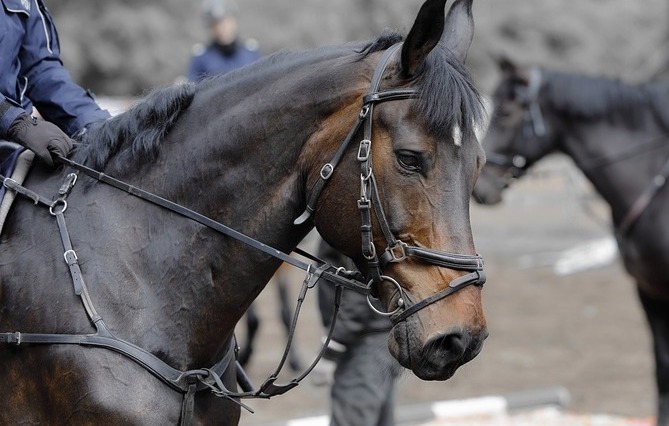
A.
x: 45, y: 139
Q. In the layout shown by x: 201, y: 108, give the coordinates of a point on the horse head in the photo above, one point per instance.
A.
x: 519, y: 134
x: 417, y: 244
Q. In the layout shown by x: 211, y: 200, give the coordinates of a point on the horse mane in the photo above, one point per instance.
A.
x: 596, y: 98
x: 137, y: 133
x: 659, y: 93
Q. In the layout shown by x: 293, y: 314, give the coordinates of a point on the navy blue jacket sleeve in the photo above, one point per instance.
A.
x: 48, y: 84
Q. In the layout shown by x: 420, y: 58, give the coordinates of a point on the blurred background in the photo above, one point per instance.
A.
x: 124, y: 47
x: 574, y: 333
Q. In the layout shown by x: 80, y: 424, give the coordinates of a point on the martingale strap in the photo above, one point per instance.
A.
x: 330, y: 274
x: 188, y: 382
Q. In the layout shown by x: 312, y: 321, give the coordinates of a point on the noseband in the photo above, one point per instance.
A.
x: 396, y: 250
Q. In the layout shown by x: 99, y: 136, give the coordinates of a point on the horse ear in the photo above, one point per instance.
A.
x: 459, y: 29
x: 423, y: 36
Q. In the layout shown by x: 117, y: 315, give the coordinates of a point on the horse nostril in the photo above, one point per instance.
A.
x: 443, y: 354
x: 451, y: 345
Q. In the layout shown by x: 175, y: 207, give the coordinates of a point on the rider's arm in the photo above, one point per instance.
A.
x: 49, y: 85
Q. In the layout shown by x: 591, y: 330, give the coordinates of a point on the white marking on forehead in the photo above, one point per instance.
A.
x: 457, y: 135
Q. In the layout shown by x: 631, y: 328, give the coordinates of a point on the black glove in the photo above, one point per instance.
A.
x: 45, y: 139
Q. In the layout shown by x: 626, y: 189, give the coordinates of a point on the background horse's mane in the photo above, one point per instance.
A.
x: 136, y: 134
x: 595, y: 98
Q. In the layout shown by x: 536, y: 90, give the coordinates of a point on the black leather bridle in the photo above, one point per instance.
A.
x: 192, y: 381
x: 396, y: 250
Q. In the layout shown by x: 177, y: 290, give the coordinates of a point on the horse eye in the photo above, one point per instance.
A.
x: 409, y: 160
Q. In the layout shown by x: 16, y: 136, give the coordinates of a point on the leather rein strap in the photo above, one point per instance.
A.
x: 188, y: 382
x: 330, y: 274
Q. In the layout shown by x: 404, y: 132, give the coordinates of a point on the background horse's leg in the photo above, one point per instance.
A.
x: 657, y: 312
x: 252, y: 324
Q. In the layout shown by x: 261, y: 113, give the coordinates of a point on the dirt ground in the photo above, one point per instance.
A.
x: 584, y: 331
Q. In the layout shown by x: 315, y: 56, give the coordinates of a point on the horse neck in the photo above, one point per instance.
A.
x: 599, y: 147
x: 247, y: 165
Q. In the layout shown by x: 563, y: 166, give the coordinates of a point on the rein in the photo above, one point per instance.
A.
x: 192, y: 381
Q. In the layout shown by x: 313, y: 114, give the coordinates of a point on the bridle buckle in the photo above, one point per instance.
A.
x: 326, y: 171
x: 363, y: 150
x: 397, y: 252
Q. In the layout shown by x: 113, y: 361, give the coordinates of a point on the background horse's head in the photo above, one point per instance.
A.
x: 425, y: 161
x: 519, y: 133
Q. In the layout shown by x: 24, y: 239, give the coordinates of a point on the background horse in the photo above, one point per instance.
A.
x: 618, y: 135
x: 247, y: 149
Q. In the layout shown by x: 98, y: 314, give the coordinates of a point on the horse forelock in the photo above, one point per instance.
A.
x: 136, y: 134
x: 448, y: 99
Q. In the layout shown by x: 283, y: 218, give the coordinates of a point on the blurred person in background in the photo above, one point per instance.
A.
x: 225, y: 51
x: 357, y: 364
x: 32, y: 75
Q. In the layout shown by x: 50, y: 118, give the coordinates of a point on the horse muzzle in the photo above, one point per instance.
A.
x: 441, y: 355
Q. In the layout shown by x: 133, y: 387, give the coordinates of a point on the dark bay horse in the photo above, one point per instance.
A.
x: 250, y: 150
x: 618, y: 135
